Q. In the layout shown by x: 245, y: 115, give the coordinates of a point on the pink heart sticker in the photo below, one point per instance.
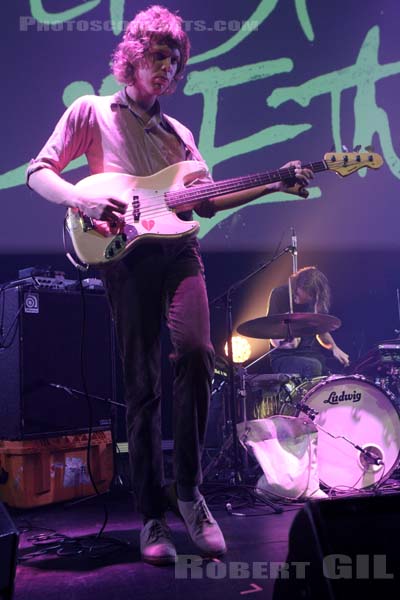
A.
x: 148, y: 224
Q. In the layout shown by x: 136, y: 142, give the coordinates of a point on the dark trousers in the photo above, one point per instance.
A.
x: 153, y: 282
x: 305, y: 366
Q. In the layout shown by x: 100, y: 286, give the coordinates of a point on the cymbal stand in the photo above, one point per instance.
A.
x: 244, y: 376
x: 227, y: 298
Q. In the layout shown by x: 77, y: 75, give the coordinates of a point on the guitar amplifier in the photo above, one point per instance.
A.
x: 42, y: 391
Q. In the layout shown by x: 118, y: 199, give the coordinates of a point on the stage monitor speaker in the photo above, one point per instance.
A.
x: 40, y: 334
x: 9, y: 537
x: 342, y: 549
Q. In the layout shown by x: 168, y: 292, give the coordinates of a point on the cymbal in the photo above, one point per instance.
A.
x: 289, y: 324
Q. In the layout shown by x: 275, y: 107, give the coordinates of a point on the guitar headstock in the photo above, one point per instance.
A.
x: 345, y: 163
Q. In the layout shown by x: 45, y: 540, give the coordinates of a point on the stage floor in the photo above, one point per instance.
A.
x: 257, y: 539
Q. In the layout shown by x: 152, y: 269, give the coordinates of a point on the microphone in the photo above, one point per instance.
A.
x: 294, y: 251
x: 370, y: 457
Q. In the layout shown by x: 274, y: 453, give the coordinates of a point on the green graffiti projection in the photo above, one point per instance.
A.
x: 117, y: 10
x: 43, y: 16
x: 261, y: 14
x: 369, y: 118
x: 209, y: 83
x: 363, y: 76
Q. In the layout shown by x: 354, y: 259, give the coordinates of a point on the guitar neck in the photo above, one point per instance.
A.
x: 194, y: 195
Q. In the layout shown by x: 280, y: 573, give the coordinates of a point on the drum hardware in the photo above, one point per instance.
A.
x: 299, y: 406
x: 285, y: 326
x: 370, y: 457
x: 367, y: 452
x: 241, y: 389
x: 265, y: 393
x: 382, y: 365
x: 292, y: 324
x: 310, y: 412
x: 225, y: 299
x: 382, y: 358
x: 358, y: 436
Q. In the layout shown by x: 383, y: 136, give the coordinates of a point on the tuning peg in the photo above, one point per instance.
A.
x: 357, y: 148
x: 369, y: 148
x: 345, y: 148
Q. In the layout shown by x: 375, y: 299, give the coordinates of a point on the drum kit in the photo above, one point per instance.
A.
x: 356, y: 415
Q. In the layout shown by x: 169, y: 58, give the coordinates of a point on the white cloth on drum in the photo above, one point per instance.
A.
x: 286, y: 450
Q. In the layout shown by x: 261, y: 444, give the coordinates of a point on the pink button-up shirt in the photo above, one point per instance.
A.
x: 109, y: 130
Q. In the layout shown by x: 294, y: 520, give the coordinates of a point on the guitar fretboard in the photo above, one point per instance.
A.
x: 192, y: 196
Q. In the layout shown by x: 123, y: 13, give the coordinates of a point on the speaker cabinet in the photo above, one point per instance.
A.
x: 8, y: 552
x: 40, y: 362
x: 343, y: 548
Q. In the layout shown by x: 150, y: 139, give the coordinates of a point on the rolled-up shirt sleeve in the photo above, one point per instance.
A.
x: 70, y: 139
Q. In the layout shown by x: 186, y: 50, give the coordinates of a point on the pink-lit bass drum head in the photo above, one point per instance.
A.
x: 353, y: 411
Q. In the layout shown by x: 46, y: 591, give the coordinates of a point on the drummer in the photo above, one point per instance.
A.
x: 308, y: 290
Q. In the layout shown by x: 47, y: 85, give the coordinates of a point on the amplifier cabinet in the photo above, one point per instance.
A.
x: 40, y: 362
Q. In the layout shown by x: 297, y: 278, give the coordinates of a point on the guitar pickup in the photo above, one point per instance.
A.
x: 136, y: 209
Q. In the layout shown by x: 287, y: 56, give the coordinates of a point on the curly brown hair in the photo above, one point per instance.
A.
x: 153, y: 25
x: 316, y: 284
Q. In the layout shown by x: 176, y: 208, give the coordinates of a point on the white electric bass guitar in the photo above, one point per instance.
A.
x: 154, y: 201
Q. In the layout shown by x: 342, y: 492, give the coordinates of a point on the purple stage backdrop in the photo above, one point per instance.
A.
x: 268, y: 81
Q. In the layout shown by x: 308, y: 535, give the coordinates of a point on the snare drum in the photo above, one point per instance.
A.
x: 351, y: 411
x: 295, y: 394
x: 266, y: 394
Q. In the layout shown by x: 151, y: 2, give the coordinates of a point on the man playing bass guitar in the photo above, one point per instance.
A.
x: 127, y: 133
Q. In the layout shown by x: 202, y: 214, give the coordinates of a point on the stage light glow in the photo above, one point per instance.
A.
x: 241, y: 349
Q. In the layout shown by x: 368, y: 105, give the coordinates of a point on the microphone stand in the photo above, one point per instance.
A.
x: 117, y: 481
x: 293, y: 252
x: 73, y: 392
x: 227, y: 298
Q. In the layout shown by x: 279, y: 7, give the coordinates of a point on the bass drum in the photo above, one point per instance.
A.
x: 351, y: 411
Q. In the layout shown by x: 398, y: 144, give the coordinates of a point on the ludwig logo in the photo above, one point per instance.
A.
x: 31, y: 303
x: 335, y: 398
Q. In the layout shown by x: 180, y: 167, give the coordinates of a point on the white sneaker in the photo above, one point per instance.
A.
x: 156, y: 545
x: 202, y: 527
